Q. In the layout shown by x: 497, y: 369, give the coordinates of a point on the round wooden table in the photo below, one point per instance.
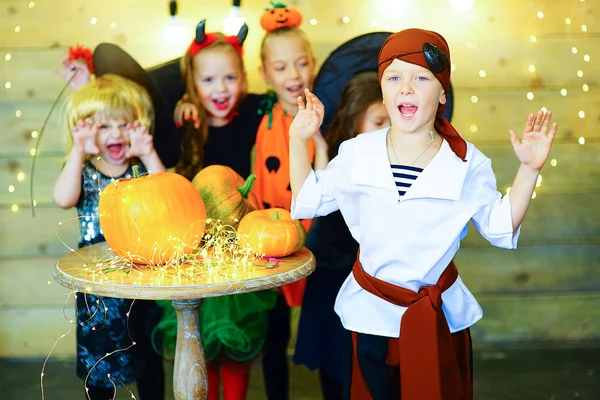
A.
x: 82, y: 271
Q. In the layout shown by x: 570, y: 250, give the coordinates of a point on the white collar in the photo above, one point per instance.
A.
x: 443, y: 177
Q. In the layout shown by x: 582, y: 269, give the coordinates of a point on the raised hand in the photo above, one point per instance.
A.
x: 77, y: 70
x: 184, y: 110
x: 309, y: 118
x: 534, y: 147
x: 140, y: 141
x: 84, y: 137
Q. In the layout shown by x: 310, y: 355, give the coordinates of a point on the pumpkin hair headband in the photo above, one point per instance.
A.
x: 280, y: 16
x: 203, y: 39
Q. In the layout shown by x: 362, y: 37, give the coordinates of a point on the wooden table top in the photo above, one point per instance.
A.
x: 96, y: 270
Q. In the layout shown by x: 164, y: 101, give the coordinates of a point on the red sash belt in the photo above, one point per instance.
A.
x: 425, y: 351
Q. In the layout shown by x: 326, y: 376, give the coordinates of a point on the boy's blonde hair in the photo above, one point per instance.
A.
x: 110, y: 96
x: 193, y: 141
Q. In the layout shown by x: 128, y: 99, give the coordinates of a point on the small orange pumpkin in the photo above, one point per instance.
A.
x: 227, y: 197
x: 152, y: 219
x: 280, y: 16
x: 272, y: 232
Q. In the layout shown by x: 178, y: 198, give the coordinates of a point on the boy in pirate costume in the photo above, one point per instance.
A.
x: 407, y: 194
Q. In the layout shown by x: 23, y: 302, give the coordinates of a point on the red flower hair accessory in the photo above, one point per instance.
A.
x: 204, y: 39
x: 81, y: 53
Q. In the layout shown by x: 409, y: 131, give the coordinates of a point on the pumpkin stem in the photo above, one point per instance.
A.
x: 247, y: 186
x: 275, y: 216
x: 136, y: 171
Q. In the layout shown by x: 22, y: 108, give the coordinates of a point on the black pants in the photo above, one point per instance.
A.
x: 371, y: 352
x: 275, y: 360
x: 331, y: 388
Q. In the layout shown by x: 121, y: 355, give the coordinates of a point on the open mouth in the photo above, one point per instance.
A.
x: 281, y: 21
x: 407, y: 110
x: 295, y: 90
x: 116, y: 151
x: 221, y: 103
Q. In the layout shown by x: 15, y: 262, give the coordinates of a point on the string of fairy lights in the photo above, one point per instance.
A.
x: 579, y: 51
x: 563, y: 91
x: 174, y: 33
x: 220, y: 258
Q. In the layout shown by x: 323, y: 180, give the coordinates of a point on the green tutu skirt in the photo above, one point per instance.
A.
x: 232, y: 326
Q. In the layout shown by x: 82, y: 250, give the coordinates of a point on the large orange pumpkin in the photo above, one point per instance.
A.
x: 280, y: 16
x: 272, y: 232
x: 227, y: 197
x: 153, y: 219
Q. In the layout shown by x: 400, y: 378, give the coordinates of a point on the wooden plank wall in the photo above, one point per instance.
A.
x: 546, y: 291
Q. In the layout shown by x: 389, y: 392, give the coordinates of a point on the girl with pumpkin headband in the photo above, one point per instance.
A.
x: 407, y: 194
x: 224, y: 120
x: 110, y: 120
x: 288, y: 67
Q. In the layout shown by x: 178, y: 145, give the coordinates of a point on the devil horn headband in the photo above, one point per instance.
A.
x: 243, y: 33
x: 203, y: 39
x: 201, y: 33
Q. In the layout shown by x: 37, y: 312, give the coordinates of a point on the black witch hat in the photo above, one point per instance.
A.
x: 355, y: 56
x: 111, y: 59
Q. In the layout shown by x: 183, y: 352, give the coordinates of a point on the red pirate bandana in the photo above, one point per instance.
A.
x: 429, y: 50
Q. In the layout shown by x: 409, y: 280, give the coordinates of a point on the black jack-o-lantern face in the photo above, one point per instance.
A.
x: 273, y: 164
x: 280, y: 15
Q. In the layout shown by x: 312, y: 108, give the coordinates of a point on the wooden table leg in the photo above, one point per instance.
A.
x: 190, y: 379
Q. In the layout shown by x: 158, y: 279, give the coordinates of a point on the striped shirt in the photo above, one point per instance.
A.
x: 405, y: 175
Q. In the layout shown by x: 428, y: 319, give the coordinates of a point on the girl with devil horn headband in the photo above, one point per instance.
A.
x: 224, y: 120
x: 223, y: 115
x: 407, y: 194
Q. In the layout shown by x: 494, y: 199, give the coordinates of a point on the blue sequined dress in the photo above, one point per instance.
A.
x: 102, y: 321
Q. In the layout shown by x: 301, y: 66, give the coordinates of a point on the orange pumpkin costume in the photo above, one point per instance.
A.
x: 272, y: 170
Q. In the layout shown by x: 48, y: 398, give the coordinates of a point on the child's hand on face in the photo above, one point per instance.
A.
x: 76, y: 69
x: 534, y: 148
x: 184, y: 110
x: 309, y: 118
x: 140, y: 141
x: 84, y: 137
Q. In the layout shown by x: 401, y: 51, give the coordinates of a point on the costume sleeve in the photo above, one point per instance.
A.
x: 493, y: 220
x: 166, y: 86
x: 317, y: 195
x: 168, y: 146
x: 249, y: 107
x: 259, y: 161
